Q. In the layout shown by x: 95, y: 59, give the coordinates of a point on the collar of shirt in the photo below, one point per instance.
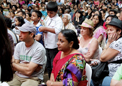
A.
x: 53, y: 18
x: 38, y: 24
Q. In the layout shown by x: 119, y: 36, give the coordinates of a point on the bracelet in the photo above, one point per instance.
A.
x: 51, y: 84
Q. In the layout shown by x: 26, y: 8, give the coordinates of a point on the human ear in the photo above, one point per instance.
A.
x: 71, y: 44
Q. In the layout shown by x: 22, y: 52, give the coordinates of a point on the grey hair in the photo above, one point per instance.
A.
x: 68, y: 16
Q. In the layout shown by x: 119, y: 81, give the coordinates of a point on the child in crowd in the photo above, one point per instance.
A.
x: 36, y: 17
x: 28, y: 17
x: 12, y: 14
x: 19, y: 21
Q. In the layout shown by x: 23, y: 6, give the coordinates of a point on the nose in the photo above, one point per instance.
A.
x: 58, y: 43
x: 81, y: 30
x: 108, y: 32
x: 20, y: 34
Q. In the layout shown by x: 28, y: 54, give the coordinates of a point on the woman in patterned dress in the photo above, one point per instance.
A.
x: 113, y: 49
x: 68, y: 56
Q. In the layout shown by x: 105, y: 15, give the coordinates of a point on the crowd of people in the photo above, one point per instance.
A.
x: 60, y: 36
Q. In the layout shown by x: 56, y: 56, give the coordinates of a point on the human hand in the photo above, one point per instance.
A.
x: 38, y: 68
x: 112, y: 37
x: 94, y: 62
x: 41, y: 29
x: 49, y: 83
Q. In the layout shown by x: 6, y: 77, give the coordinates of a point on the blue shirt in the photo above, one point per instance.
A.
x: 38, y: 32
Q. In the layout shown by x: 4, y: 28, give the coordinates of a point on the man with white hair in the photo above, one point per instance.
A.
x: 67, y: 25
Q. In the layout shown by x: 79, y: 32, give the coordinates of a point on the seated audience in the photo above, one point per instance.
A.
x: 89, y: 46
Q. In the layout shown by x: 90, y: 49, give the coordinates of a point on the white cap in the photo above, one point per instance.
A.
x: 27, y: 27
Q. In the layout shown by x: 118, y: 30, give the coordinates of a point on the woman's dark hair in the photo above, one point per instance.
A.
x: 39, y: 14
x: 5, y: 52
x: 62, y: 10
x: 81, y: 13
x: 70, y: 35
x: 100, y: 23
x: 8, y: 22
x: 1, y: 9
x: 112, y: 16
x: 21, y: 20
x: 14, y: 6
x: 52, y: 6
x: 90, y: 15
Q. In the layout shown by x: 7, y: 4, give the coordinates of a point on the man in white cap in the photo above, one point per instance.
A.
x: 29, y: 58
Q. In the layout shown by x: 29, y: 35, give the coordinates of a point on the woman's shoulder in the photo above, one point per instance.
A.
x: 94, y: 40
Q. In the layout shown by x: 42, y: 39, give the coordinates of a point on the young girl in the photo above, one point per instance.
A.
x: 19, y: 21
x: 12, y: 14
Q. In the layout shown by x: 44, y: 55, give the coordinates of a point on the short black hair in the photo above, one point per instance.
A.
x: 23, y: 13
x: 52, y: 6
x: 102, y: 10
x: 8, y: 22
x: 112, y: 16
x: 112, y: 10
x: 70, y: 35
x: 39, y: 14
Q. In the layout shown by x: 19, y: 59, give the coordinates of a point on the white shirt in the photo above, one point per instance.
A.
x: 50, y: 39
x: 35, y: 53
x: 13, y: 35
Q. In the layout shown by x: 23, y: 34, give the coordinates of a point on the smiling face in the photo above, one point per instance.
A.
x: 63, y: 44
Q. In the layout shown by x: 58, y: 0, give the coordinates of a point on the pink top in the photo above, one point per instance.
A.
x: 22, y: 2
x: 100, y: 30
x: 96, y: 2
x: 58, y: 63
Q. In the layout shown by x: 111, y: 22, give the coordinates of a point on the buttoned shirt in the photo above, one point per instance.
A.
x: 50, y: 39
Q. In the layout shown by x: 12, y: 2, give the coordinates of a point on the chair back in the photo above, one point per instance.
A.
x: 88, y: 73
